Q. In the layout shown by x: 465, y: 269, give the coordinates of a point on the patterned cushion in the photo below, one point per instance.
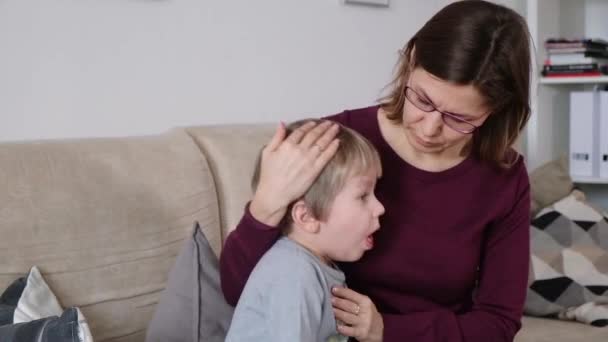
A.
x: 570, y: 262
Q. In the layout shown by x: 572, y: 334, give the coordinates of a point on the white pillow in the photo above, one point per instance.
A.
x: 38, y: 301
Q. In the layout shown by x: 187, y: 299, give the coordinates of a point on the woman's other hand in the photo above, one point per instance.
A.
x: 289, y: 166
x: 358, y: 314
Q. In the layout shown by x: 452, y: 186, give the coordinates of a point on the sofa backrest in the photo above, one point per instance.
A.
x: 103, y: 219
x: 231, y: 151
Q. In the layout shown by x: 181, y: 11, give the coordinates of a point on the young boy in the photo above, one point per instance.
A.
x: 288, y: 295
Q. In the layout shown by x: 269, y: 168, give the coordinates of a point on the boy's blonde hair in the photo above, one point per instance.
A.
x: 355, y: 156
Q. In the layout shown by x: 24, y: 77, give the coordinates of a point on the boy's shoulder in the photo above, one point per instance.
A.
x: 287, y: 259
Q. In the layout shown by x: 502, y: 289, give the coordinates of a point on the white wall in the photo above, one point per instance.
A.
x: 595, y: 19
x: 80, y: 68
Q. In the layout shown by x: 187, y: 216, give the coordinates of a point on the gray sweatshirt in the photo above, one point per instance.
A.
x: 287, y: 298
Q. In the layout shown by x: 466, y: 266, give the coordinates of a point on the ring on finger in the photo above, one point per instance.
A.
x: 357, y: 310
x: 319, y: 147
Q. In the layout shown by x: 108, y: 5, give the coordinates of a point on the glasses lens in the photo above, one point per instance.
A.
x: 417, y: 101
x: 423, y: 104
x: 459, y: 125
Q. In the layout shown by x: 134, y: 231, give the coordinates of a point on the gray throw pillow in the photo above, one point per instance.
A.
x: 192, y: 306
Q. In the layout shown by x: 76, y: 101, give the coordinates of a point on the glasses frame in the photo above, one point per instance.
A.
x: 443, y: 114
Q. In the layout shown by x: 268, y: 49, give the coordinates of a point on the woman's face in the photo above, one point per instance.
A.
x: 426, y: 131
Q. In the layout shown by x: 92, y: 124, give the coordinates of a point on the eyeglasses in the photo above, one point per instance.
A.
x: 451, y: 120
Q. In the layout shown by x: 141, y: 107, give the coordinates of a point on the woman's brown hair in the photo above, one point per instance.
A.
x: 481, y: 44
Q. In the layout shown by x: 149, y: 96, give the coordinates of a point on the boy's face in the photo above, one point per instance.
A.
x: 346, y: 232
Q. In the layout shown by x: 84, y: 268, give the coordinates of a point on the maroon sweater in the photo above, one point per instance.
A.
x: 450, y: 261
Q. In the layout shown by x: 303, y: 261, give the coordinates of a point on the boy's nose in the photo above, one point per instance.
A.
x: 380, y: 208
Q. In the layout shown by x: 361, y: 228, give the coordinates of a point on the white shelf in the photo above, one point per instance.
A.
x: 589, y: 180
x: 574, y: 80
x: 548, y: 130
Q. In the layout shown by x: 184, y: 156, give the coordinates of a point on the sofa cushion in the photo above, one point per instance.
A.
x: 549, y: 330
x: 232, y: 162
x: 192, y: 307
x: 104, y: 218
x: 570, y: 262
x: 549, y: 183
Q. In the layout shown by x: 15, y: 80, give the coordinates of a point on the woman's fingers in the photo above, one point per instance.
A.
x: 347, y: 330
x: 277, y: 138
x: 359, y: 315
x: 313, y: 135
x: 296, y: 136
x: 328, y: 135
x: 325, y: 156
x: 289, y: 165
x: 346, y: 305
x: 345, y: 317
x: 346, y: 293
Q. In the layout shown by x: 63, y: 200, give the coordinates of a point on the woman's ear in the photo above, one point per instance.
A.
x: 303, y: 218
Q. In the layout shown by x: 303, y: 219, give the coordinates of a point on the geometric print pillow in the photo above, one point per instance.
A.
x: 569, y: 263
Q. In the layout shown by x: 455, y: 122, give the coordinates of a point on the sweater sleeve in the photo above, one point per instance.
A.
x: 500, y: 294
x: 242, y: 250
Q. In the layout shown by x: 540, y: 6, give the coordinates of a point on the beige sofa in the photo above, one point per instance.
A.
x: 105, y: 218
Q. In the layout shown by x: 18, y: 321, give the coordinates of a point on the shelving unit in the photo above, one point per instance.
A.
x: 548, y: 129
x: 574, y: 80
x: 589, y: 180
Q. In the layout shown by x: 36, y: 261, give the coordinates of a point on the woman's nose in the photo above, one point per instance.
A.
x: 432, y: 124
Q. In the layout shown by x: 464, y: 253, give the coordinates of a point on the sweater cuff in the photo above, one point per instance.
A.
x: 251, y: 221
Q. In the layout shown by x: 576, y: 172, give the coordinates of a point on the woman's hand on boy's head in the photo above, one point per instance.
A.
x: 358, y: 312
x: 289, y: 165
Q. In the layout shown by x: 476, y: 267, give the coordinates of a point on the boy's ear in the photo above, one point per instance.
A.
x: 303, y: 217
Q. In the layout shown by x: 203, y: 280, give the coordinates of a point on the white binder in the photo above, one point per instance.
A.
x: 582, y: 118
x: 603, y: 135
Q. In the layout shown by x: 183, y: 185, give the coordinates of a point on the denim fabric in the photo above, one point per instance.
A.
x: 9, y: 300
x: 51, y: 329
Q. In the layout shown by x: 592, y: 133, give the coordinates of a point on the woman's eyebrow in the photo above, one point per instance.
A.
x: 425, y: 95
x: 445, y: 111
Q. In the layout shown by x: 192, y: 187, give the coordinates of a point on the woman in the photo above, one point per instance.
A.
x: 450, y: 261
